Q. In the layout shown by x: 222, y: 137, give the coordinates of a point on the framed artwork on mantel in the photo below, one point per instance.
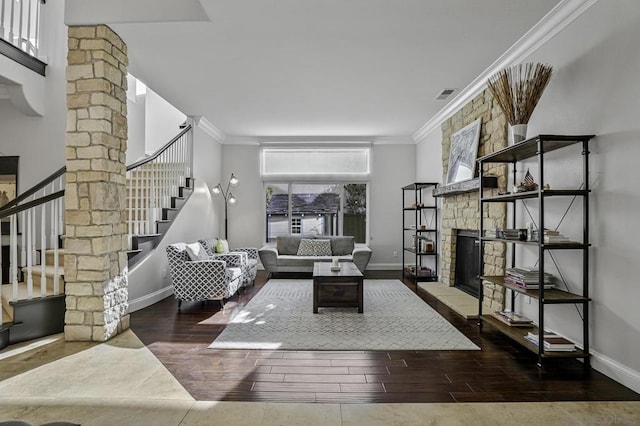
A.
x: 463, y: 153
x: 8, y: 185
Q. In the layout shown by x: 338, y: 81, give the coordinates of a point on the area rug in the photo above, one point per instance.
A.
x: 281, y: 316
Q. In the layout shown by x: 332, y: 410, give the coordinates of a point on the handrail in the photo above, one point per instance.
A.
x: 31, y: 204
x: 35, y: 188
x: 160, y: 151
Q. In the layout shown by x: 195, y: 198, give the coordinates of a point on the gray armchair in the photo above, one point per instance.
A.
x: 248, y: 264
x: 201, y: 280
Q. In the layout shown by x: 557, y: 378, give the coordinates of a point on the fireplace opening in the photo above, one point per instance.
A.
x: 467, y: 268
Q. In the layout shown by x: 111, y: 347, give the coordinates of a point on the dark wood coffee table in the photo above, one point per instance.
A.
x: 341, y: 288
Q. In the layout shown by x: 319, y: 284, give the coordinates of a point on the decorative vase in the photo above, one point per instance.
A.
x: 517, y: 133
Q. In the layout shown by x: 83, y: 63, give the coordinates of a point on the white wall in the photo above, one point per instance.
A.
x: 596, y: 89
x: 40, y: 141
x: 162, y: 121
x: 246, y: 219
x: 429, y: 157
x: 393, y: 166
x: 136, y: 118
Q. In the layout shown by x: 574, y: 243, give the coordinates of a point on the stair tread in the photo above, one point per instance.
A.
x: 48, y: 270
x: 7, y: 294
x: 61, y: 251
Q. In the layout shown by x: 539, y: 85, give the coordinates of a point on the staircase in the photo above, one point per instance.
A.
x: 38, y: 310
x: 33, y: 300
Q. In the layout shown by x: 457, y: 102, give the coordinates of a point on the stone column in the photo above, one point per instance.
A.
x: 95, y: 216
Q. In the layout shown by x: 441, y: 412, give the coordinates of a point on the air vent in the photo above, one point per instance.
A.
x: 445, y: 94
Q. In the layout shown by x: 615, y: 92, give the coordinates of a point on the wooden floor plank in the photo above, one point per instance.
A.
x: 501, y: 371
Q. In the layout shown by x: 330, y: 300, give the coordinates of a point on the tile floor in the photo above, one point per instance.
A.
x: 120, y: 382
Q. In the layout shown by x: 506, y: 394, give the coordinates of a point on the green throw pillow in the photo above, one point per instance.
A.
x: 222, y: 246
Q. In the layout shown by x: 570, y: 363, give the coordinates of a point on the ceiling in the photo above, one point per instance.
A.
x: 323, y: 68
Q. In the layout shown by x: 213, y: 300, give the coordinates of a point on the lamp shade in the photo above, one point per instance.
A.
x: 232, y: 200
x: 233, y: 180
x: 216, y: 190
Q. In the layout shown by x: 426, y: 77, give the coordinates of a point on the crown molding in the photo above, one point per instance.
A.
x: 206, y: 126
x: 558, y: 18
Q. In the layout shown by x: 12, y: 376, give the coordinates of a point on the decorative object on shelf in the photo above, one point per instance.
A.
x: 527, y: 184
x: 463, y: 152
x: 229, y: 199
x: 517, y: 91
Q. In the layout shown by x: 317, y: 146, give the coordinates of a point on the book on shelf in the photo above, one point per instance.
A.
x: 513, y: 319
x: 528, y: 278
x: 552, y: 342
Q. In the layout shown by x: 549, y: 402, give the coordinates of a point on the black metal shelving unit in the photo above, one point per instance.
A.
x: 537, y: 147
x: 419, y: 264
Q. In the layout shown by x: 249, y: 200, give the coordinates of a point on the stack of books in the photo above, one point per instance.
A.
x: 552, y: 342
x: 513, y: 319
x: 551, y: 237
x: 527, y: 278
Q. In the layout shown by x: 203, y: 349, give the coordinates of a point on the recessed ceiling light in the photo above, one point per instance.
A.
x: 445, y: 94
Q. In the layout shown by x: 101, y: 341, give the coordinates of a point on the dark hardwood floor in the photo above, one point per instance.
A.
x: 501, y: 371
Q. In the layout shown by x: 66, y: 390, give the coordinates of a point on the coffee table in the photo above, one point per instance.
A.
x: 341, y: 288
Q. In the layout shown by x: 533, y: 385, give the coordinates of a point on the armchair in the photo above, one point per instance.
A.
x: 201, y: 280
x: 248, y: 264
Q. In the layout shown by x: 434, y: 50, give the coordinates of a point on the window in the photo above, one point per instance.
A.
x: 296, y: 225
x: 316, y: 209
x: 313, y: 190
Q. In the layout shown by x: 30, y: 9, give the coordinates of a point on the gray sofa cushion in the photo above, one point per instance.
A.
x: 341, y: 246
x: 288, y: 244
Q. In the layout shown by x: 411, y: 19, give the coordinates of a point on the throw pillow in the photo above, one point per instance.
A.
x: 196, y: 252
x: 222, y: 246
x: 314, y: 247
x: 341, y: 246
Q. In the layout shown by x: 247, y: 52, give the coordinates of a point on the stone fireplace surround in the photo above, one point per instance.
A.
x: 460, y: 208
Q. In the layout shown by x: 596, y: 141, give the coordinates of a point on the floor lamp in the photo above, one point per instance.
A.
x: 229, y: 199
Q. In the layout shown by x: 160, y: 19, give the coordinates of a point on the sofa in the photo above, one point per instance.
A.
x: 287, y: 255
x: 248, y: 264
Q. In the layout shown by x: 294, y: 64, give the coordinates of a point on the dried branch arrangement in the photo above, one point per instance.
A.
x: 518, y: 89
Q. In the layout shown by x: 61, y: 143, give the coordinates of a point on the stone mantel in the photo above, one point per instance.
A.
x: 471, y: 185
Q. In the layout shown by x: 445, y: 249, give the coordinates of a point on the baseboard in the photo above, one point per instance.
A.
x: 384, y: 266
x: 150, y: 299
x: 616, y: 371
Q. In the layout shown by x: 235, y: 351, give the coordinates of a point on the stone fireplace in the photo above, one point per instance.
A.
x: 459, y: 203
